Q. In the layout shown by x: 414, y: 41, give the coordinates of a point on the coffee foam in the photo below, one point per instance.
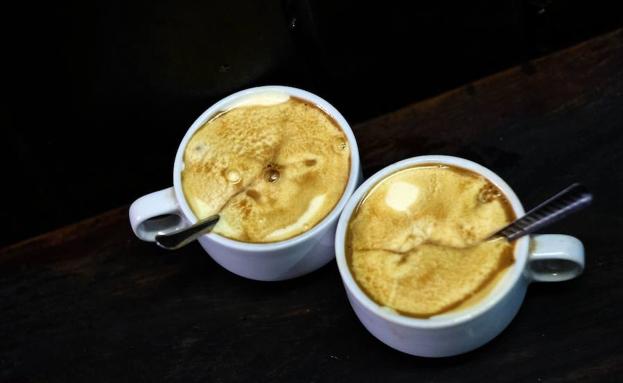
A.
x: 404, y: 241
x: 272, y: 167
x: 260, y: 99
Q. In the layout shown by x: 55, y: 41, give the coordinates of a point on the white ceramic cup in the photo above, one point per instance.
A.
x: 539, y: 258
x: 167, y: 210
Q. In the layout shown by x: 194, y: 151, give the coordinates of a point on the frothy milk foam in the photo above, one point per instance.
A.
x: 407, y: 241
x: 272, y: 166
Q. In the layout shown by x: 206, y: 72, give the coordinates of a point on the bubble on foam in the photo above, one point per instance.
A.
x: 341, y: 145
x: 233, y: 176
x: 488, y: 193
x: 401, y: 195
x: 272, y: 175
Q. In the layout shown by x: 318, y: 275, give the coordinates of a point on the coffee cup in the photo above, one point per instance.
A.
x: 537, y: 258
x: 168, y: 210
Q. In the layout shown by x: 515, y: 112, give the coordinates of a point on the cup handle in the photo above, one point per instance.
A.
x: 156, y: 213
x: 555, y: 258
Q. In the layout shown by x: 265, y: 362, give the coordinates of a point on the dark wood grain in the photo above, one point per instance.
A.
x: 90, y: 302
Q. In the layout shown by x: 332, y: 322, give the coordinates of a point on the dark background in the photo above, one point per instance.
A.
x: 100, y: 93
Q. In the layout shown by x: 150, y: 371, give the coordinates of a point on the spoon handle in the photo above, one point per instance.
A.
x: 181, y: 238
x: 568, y: 201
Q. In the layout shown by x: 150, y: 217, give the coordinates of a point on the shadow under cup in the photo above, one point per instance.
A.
x: 452, y: 332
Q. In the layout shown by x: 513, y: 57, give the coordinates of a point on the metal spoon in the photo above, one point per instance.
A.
x: 570, y: 200
x: 183, y: 237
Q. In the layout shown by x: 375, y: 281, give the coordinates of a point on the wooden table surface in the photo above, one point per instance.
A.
x: 90, y: 302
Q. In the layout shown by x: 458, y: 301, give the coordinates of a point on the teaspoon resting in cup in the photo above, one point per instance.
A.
x: 180, y: 238
x: 569, y: 200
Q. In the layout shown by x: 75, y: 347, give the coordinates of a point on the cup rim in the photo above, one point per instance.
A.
x: 443, y: 320
x: 223, y: 104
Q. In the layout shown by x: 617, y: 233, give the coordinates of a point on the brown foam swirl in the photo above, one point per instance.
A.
x: 271, y: 172
x: 402, y: 240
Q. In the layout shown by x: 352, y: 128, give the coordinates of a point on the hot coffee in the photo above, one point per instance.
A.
x: 272, y: 168
x: 408, y: 241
